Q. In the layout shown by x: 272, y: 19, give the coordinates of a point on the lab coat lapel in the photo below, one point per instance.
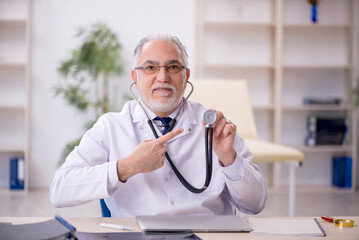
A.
x: 187, y: 121
x: 140, y: 120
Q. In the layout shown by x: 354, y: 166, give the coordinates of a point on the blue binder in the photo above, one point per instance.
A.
x: 342, y: 171
x: 17, y: 173
x: 338, y: 172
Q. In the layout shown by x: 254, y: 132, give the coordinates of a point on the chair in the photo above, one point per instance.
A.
x: 104, y: 209
x: 231, y: 97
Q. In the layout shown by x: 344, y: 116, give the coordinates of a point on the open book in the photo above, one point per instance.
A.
x: 286, y: 227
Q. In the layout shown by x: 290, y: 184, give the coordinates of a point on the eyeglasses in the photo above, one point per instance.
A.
x: 152, y: 69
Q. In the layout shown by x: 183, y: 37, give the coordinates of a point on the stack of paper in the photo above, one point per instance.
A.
x: 286, y: 227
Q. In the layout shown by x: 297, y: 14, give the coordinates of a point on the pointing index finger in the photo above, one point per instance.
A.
x: 170, y: 135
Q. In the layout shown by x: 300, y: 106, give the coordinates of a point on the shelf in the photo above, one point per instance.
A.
x: 316, y: 26
x: 263, y: 108
x: 312, y: 189
x: 285, y: 58
x: 318, y: 67
x: 8, y: 191
x: 12, y: 64
x: 316, y: 108
x: 13, y: 148
x: 236, y: 66
x: 15, y: 82
x: 13, y: 22
x: 323, y: 149
x: 12, y: 107
x: 224, y: 24
x: 322, y: 189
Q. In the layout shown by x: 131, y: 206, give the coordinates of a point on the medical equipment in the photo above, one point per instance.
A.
x: 209, y: 117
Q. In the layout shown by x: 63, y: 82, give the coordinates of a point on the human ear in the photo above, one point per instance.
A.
x: 188, y: 73
x: 134, y: 75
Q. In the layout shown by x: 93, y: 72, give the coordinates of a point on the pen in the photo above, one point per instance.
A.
x: 65, y: 223
x: 116, y: 226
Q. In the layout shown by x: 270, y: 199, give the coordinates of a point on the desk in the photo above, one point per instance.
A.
x: 92, y: 225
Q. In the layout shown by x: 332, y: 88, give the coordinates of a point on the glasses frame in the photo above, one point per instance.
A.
x: 143, y: 68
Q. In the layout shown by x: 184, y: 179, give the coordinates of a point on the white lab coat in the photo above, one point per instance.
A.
x: 90, y: 172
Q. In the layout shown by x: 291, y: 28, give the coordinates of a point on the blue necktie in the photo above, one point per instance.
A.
x: 165, y: 121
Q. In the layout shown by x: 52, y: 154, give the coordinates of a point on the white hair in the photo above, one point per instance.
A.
x: 160, y: 37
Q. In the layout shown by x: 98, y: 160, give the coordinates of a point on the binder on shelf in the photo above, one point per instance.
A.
x: 17, y: 173
x: 342, y: 171
x: 325, y: 131
x: 322, y: 101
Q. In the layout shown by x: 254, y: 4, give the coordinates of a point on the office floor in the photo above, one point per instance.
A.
x: 309, y: 202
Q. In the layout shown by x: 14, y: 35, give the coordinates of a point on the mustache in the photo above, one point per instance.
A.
x: 163, y: 85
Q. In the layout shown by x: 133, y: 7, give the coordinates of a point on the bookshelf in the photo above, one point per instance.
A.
x: 285, y: 57
x: 14, y: 87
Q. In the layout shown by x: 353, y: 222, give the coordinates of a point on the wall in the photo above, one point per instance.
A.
x: 53, y: 123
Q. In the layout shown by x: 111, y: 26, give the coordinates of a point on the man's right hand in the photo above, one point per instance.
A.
x: 148, y: 156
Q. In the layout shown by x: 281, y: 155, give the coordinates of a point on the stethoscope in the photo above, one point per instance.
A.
x: 209, y: 118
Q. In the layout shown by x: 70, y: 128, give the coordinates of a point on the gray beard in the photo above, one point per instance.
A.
x: 158, y: 106
x: 170, y: 105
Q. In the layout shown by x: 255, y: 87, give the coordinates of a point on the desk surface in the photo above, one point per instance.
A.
x: 92, y: 225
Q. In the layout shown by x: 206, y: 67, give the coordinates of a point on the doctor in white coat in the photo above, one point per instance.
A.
x: 120, y: 160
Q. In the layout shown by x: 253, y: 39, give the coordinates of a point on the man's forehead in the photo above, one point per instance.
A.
x: 160, y: 51
x: 160, y: 47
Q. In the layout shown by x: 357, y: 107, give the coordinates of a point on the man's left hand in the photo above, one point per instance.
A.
x: 224, y: 132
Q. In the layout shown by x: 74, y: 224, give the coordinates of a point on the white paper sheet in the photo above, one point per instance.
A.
x: 285, y: 227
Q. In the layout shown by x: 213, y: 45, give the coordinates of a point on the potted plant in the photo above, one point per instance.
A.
x: 87, y: 73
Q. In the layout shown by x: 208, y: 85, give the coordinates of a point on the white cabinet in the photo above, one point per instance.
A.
x: 14, y: 86
x: 285, y: 58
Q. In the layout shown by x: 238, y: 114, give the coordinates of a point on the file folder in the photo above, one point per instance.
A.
x: 17, y: 173
x: 51, y: 229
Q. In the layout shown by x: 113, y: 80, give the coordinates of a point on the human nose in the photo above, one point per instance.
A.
x: 162, y: 74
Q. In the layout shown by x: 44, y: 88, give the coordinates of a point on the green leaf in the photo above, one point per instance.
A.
x: 92, y: 63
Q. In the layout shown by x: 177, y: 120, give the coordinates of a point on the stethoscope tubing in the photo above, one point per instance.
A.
x: 208, y: 146
x: 209, y: 162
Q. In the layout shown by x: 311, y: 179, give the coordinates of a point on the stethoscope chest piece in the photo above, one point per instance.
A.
x: 210, y: 117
